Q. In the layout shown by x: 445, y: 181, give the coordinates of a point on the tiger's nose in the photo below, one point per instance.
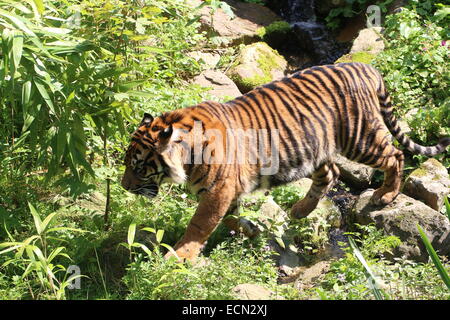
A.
x: 127, y: 180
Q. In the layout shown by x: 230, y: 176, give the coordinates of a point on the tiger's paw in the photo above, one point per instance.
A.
x: 185, y: 253
x: 381, y: 197
x: 248, y: 228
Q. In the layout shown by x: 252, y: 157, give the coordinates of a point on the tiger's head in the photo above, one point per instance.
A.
x: 154, y: 156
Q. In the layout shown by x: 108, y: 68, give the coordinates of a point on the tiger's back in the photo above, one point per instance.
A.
x: 305, y: 119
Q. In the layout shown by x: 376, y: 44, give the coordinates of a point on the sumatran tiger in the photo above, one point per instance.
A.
x: 291, y: 129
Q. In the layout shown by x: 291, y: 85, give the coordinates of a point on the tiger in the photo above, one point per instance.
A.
x: 316, y: 113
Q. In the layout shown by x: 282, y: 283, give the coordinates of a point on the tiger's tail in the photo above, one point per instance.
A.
x: 393, y: 126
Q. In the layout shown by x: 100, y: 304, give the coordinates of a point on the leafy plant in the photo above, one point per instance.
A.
x: 352, y: 8
x: 36, y: 258
x: 415, y: 67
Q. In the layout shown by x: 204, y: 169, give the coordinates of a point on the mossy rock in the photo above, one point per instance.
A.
x: 276, y: 33
x: 362, y: 56
x: 257, y: 64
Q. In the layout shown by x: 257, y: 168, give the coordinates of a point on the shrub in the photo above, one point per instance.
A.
x: 416, y: 69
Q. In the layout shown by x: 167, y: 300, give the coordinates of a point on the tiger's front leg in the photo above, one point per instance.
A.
x: 212, y: 208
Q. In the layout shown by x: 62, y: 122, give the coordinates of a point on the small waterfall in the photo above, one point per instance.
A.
x: 311, y: 35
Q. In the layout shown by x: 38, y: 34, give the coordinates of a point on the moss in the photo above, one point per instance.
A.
x: 364, y: 57
x: 275, y: 33
x: 267, y: 60
x: 419, y: 172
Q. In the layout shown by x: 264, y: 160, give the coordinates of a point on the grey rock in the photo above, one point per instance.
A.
x: 430, y: 183
x: 400, y: 218
x: 220, y: 84
x: 356, y: 174
x: 248, y: 18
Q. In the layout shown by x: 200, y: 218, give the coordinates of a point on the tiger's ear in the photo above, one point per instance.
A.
x: 147, y: 119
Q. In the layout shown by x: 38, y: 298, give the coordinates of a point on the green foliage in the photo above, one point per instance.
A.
x: 229, y: 264
x: 434, y: 257
x: 396, y: 278
x: 416, y: 69
x: 72, y: 76
x: 35, y: 259
x: 352, y: 8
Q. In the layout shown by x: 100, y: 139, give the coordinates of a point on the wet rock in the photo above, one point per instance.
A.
x: 249, y: 291
x: 318, y: 224
x: 257, y: 64
x: 356, y: 174
x: 294, y: 10
x: 248, y: 18
x: 220, y: 84
x: 430, y: 183
x: 400, y: 218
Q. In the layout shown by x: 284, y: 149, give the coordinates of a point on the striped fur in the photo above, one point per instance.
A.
x: 318, y: 112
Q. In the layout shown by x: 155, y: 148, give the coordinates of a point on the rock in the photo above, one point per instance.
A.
x: 400, y: 219
x: 276, y: 34
x: 221, y: 86
x: 275, y: 219
x: 323, y: 7
x: 363, y: 57
x: 311, y: 276
x: 367, y: 45
x: 208, y: 59
x: 430, y: 183
x: 273, y: 216
x: 257, y: 64
x: 318, y: 224
x: 249, y: 291
x: 354, y: 173
x: 396, y: 6
x: 368, y: 40
x: 294, y: 10
x: 248, y: 18
x: 303, y: 184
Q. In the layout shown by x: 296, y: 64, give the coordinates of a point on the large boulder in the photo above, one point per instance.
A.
x: 241, y: 26
x: 369, y: 41
x: 400, y: 218
x: 356, y: 174
x: 367, y: 45
x: 429, y: 183
x: 221, y: 86
x: 257, y: 64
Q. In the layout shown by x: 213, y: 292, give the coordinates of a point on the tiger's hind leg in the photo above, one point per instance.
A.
x: 390, y: 160
x: 323, y: 180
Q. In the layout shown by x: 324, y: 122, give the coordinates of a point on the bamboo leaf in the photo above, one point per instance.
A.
x: 434, y: 257
x: 36, y: 218
x: 372, y: 280
x: 159, y: 235
x: 131, y: 233
x: 17, y: 49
